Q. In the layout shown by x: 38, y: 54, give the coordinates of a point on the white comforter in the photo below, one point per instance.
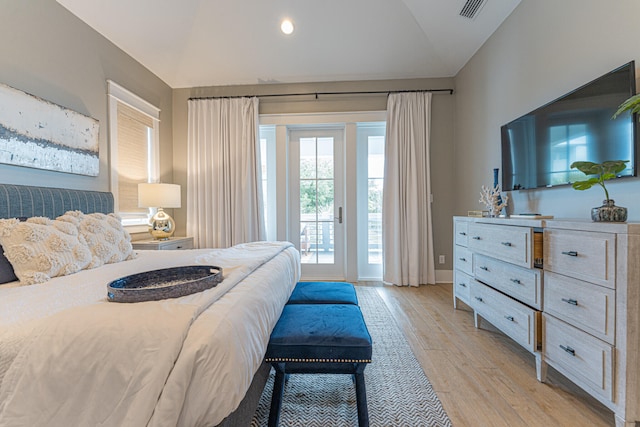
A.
x: 69, y: 357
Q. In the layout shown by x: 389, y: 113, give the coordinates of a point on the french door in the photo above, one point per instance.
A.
x: 316, y: 200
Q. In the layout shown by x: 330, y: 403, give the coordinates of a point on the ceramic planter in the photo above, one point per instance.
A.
x: 609, y: 212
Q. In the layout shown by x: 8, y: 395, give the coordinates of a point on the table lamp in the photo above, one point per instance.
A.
x: 157, y: 195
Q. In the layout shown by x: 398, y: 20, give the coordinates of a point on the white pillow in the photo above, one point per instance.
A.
x: 108, y: 241
x: 41, y: 248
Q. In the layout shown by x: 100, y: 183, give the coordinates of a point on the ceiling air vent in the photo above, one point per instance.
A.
x: 471, y: 8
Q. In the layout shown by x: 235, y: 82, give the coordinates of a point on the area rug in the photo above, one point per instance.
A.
x: 398, y: 392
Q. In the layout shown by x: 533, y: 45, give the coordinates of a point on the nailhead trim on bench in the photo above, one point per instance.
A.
x: 286, y: 359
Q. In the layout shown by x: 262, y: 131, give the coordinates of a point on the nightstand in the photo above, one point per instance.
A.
x: 164, y: 245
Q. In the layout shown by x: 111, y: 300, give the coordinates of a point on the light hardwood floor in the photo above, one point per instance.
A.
x: 482, y: 377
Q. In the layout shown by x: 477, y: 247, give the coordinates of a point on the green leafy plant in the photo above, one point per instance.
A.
x: 632, y: 104
x: 600, y: 172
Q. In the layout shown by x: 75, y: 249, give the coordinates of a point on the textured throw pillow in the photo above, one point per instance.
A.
x: 7, y: 275
x: 108, y: 241
x: 42, y: 248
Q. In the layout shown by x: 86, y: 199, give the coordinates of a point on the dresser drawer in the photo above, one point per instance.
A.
x: 173, y: 243
x: 584, y: 305
x: 516, y: 320
x: 584, y: 255
x: 583, y: 358
x: 463, y: 259
x: 462, y: 285
x: 461, y: 232
x: 523, y: 284
x: 509, y: 243
x: 178, y: 245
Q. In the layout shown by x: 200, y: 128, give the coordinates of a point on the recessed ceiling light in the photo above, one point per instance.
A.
x: 287, y: 26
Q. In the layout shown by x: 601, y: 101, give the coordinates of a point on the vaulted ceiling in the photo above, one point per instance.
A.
x: 191, y: 43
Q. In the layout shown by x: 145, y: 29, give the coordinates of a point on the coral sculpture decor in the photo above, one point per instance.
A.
x: 493, y: 199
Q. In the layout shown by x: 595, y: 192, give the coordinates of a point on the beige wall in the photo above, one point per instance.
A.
x: 545, y: 49
x: 48, y: 52
x: 441, y: 134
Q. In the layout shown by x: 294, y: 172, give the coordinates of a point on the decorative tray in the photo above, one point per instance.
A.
x: 164, y: 283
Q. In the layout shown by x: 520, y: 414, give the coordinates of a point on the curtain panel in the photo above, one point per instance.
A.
x: 407, y: 238
x: 224, y: 184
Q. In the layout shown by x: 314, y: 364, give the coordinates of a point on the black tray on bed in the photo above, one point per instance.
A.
x: 164, y: 283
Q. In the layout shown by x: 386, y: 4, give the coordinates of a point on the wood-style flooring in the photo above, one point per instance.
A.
x: 481, y: 376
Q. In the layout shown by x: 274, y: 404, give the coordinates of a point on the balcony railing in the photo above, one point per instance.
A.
x: 317, y: 238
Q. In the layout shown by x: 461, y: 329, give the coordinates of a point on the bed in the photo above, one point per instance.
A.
x: 70, y: 357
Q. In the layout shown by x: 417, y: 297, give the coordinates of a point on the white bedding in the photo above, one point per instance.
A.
x: 69, y: 357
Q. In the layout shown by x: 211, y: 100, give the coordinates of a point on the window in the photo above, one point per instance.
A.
x: 370, y: 147
x: 268, y: 163
x: 133, y: 142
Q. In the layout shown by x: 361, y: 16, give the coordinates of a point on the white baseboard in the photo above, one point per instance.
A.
x: 444, y: 276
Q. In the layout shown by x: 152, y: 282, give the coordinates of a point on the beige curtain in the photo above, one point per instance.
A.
x: 407, y: 238
x: 224, y: 187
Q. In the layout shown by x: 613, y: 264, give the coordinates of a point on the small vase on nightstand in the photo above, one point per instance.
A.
x: 609, y: 212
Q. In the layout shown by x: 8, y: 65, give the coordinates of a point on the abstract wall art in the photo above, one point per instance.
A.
x: 40, y: 134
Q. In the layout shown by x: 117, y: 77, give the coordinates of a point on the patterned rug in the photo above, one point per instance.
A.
x: 398, y: 392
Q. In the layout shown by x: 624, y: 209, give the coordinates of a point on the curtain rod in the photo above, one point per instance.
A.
x: 316, y: 94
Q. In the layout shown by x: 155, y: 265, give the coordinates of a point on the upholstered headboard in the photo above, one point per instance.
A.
x: 26, y: 201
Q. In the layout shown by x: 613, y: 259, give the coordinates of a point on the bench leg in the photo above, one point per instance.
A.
x: 276, y: 396
x: 361, y: 397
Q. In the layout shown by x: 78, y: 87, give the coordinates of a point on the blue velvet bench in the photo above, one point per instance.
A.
x: 319, y: 339
x: 323, y: 293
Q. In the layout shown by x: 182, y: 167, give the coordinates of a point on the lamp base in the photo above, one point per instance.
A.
x: 161, y: 225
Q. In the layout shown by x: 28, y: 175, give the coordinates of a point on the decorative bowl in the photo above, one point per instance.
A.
x: 164, y: 283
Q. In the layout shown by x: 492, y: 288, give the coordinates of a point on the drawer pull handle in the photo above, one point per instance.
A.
x: 484, y: 268
x: 510, y: 318
x: 570, y: 301
x: 568, y: 350
x: 463, y: 259
x: 516, y: 281
x: 462, y: 233
x: 476, y: 237
x: 464, y: 285
x: 479, y: 299
x: 570, y: 253
x: 506, y: 243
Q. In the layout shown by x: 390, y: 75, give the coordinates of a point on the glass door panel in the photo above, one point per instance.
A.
x: 316, y: 171
x: 370, y: 177
x: 375, y: 179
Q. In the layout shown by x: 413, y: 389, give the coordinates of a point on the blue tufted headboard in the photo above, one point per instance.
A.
x: 26, y: 201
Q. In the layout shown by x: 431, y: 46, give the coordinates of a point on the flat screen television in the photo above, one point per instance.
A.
x: 538, y: 148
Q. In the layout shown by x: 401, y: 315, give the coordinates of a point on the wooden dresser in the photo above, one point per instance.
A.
x: 567, y: 291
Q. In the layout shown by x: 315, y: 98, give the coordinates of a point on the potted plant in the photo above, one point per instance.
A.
x: 598, y: 173
x: 632, y: 105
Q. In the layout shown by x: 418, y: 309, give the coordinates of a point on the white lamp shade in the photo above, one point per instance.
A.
x: 156, y: 195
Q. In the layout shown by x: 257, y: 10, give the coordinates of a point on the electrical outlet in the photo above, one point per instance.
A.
x: 441, y: 259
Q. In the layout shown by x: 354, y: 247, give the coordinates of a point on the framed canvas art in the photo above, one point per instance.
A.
x: 40, y: 134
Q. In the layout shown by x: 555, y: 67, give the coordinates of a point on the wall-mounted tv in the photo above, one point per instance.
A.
x: 538, y: 148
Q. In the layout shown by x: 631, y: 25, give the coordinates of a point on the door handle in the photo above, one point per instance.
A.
x: 339, y: 217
